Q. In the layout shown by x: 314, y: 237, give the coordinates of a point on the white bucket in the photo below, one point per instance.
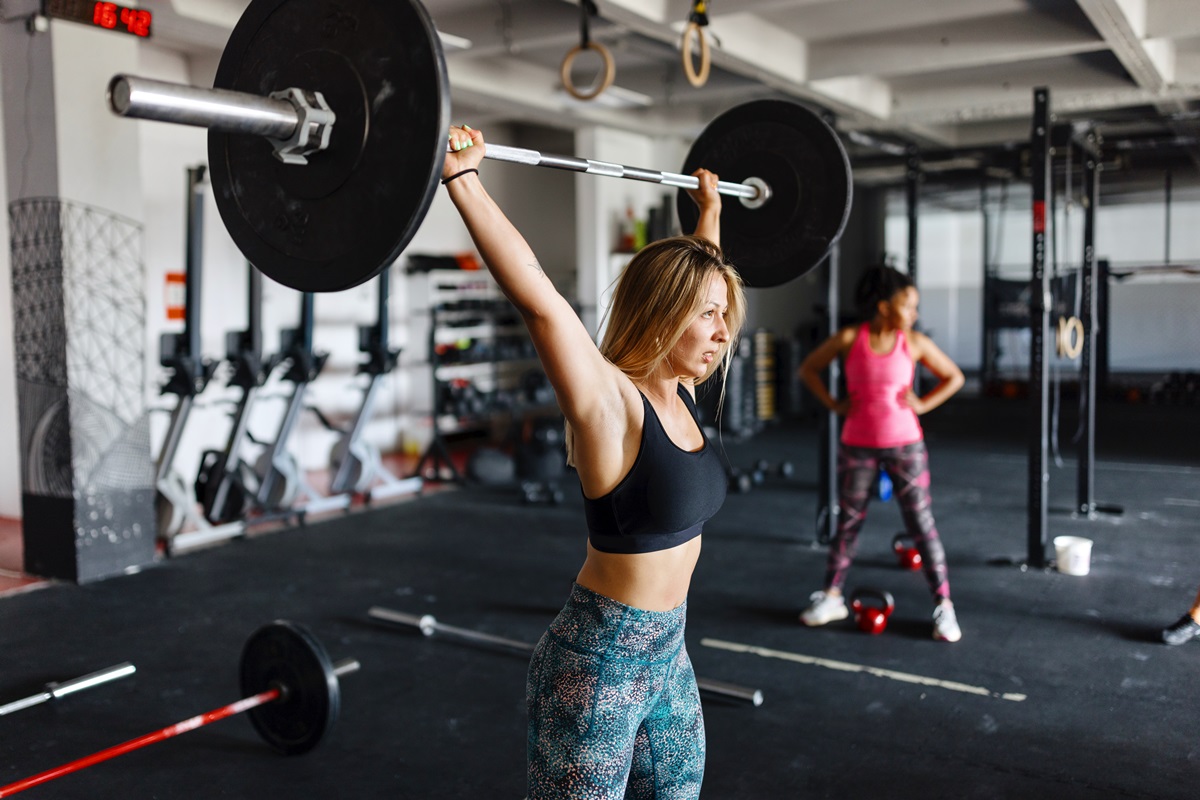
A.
x: 1073, y: 554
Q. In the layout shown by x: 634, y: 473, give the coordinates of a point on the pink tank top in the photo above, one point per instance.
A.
x: 877, y: 385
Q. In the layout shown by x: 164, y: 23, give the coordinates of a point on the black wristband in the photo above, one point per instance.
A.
x: 458, y: 175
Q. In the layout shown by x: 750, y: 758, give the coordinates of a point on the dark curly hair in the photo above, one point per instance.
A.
x: 878, y: 284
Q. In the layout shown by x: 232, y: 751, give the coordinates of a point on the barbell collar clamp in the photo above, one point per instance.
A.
x: 313, y: 128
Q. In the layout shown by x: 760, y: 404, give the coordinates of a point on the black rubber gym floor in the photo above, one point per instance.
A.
x: 1059, y: 687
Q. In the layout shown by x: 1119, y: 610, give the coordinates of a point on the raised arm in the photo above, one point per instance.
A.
x: 708, y: 226
x: 579, y: 374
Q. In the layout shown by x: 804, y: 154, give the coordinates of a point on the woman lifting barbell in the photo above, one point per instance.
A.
x: 611, y: 693
x: 881, y: 430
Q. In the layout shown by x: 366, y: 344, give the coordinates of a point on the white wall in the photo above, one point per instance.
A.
x: 601, y: 205
x: 1154, y: 326
x: 950, y: 278
x: 98, y: 160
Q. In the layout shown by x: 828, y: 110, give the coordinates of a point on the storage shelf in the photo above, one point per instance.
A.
x: 490, y: 391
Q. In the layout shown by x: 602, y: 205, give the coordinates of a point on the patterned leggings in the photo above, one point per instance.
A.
x: 908, y: 467
x: 613, y: 706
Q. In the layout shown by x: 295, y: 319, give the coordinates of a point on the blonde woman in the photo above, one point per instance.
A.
x: 612, y: 699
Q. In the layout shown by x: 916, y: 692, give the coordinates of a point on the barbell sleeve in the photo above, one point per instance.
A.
x: 227, y: 111
x: 216, y: 109
x: 53, y: 691
x: 428, y: 625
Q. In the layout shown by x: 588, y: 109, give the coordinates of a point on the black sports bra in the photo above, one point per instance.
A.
x: 665, y: 498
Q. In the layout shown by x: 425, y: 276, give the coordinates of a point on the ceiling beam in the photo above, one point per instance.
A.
x: 1122, y: 24
x: 977, y: 105
x: 996, y: 39
x: 1151, y: 62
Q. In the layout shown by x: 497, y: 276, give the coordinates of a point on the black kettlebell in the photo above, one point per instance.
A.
x: 872, y: 607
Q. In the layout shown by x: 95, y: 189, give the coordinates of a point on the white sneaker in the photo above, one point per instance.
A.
x: 824, y: 608
x: 945, y: 624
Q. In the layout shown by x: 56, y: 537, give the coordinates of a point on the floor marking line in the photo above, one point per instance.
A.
x: 845, y: 666
x: 1182, y: 501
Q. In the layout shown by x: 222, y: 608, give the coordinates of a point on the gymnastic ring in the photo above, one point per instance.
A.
x: 696, y: 79
x: 1070, y: 346
x: 610, y: 70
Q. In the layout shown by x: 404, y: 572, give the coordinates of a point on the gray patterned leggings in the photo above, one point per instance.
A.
x: 614, y: 711
x: 908, y: 467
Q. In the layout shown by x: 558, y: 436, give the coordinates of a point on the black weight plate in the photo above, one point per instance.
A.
x: 285, y: 654
x: 801, y: 158
x: 344, y: 217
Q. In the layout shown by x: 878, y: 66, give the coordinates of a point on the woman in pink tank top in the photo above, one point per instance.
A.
x: 882, y: 431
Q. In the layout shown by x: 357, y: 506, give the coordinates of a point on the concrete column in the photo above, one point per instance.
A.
x: 78, y: 299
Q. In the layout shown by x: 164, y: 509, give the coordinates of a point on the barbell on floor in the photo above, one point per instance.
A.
x: 428, y: 625
x: 55, y: 690
x: 355, y: 98
x: 292, y: 695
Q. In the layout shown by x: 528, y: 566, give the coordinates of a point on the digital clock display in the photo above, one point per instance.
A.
x: 135, y: 21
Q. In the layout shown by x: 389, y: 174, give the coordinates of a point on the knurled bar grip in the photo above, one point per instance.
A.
x: 53, y: 691
x: 429, y: 625
x: 240, y: 112
x: 517, y: 155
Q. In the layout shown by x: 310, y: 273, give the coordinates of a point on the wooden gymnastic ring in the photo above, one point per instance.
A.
x: 696, y: 79
x: 1067, y: 326
x: 610, y: 70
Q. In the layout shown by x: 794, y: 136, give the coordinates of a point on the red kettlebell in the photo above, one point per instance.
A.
x: 872, y: 607
x: 909, y: 556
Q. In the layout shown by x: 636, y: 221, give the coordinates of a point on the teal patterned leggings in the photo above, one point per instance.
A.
x: 613, y: 707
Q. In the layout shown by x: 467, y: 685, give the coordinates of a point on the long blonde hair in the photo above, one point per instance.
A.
x: 656, y: 298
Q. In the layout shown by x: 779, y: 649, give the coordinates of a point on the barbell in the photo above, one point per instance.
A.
x: 328, y: 130
x: 292, y: 696
x: 428, y: 625
x: 54, y: 690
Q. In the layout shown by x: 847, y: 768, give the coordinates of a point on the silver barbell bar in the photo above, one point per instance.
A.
x: 287, y: 115
x: 53, y: 691
x: 428, y: 625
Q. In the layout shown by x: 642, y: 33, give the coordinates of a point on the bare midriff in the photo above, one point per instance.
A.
x: 656, y: 581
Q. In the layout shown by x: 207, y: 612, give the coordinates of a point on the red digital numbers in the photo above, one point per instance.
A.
x: 105, y: 15
x: 136, y: 20
x: 133, y: 20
